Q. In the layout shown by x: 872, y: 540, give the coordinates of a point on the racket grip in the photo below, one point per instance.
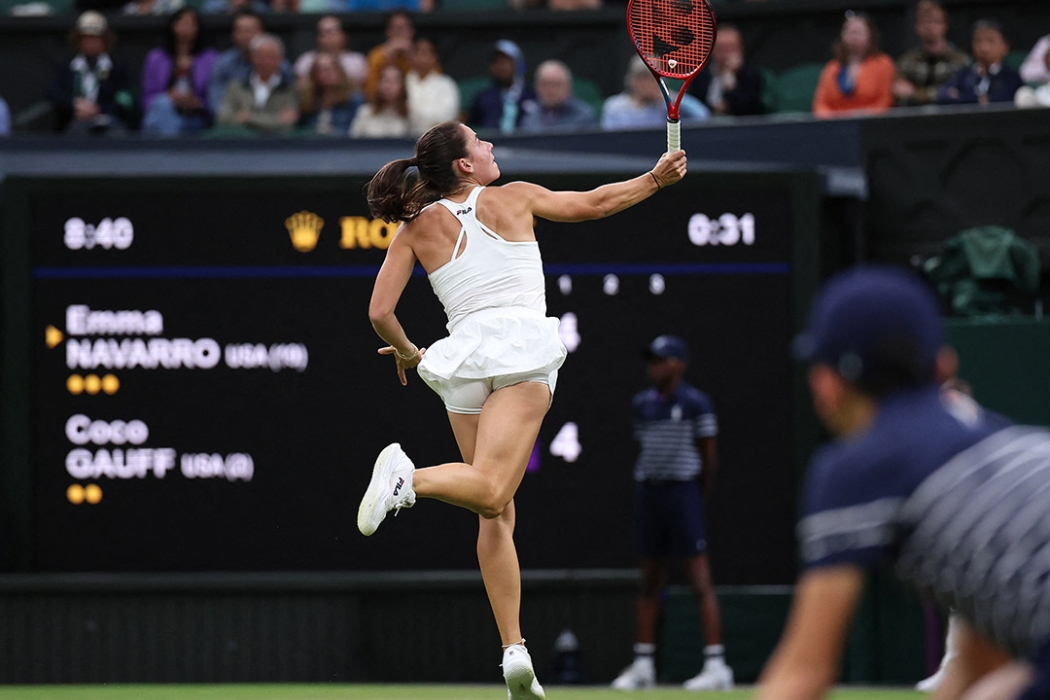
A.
x: 674, y: 135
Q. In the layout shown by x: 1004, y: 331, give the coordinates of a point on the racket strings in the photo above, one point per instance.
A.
x: 673, y: 36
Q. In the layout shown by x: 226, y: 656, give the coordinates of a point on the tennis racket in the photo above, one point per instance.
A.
x: 674, y: 38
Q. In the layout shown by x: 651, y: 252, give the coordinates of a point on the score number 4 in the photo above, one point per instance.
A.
x: 109, y: 233
x: 728, y: 229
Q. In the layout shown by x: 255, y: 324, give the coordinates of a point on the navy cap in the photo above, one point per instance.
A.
x: 873, y: 320
x: 668, y: 346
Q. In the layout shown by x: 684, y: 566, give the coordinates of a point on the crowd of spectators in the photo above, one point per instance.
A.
x: 398, y: 89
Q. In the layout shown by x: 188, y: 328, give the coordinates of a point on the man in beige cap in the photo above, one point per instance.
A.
x: 90, y: 94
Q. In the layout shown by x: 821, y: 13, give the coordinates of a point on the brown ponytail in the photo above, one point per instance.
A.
x: 396, y: 194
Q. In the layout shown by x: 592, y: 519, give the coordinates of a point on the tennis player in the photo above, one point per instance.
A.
x: 953, y: 495
x: 496, y: 371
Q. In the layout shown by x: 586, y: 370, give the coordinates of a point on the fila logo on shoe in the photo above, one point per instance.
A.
x: 400, y: 483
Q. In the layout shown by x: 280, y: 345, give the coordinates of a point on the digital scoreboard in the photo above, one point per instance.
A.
x: 205, y: 392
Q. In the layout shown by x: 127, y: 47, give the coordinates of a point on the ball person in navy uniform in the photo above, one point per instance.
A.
x: 953, y: 495
x: 677, y: 428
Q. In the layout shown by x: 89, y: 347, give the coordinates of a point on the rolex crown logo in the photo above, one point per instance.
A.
x: 304, y: 228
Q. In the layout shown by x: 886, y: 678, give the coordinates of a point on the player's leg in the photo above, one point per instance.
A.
x: 506, y: 434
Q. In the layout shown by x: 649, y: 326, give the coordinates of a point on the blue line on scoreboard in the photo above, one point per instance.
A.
x: 347, y: 271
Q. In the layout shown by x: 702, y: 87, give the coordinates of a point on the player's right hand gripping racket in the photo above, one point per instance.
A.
x: 674, y: 38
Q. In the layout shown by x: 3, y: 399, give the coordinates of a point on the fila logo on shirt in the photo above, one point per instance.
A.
x: 461, y: 212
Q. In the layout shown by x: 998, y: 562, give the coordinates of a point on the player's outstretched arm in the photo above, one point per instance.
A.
x: 602, y: 201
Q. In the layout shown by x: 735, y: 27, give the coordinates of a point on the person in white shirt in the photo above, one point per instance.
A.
x: 433, y: 97
x: 1036, y: 67
x: 386, y: 114
x: 331, y: 38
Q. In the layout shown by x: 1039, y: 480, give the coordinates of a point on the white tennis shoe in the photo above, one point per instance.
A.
x: 519, y: 674
x: 390, y: 489
x: 715, y: 676
x: 641, y: 674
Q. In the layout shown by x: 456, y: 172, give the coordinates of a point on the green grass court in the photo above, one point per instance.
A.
x: 390, y: 692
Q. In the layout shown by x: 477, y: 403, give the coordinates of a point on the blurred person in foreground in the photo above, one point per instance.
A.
x: 327, y: 101
x: 641, y: 104
x: 433, y: 97
x: 266, y: 101
x: 504, y: 103
x: 91, y: 93
x: 989, y: 79
x: 949, y: 494
x: 5, y: 118
x: 175, y: 79
x: 728, y: 85
x: 676, y: 425
x: 922, y: 71
x: 331, y: 39
x: 859, y: 79
x: 555, y: 106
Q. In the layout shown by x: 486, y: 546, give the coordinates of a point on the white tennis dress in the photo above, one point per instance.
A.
x: 494, y: 297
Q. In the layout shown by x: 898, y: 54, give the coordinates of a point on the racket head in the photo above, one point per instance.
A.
x: 674, y: 38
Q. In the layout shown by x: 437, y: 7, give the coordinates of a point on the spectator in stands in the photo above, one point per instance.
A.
x: 266, y: 101
x: 641, y: 104
x: 386, y: 114
x: 175, y: 79
x: 331, y: 38
x: 989, y: 79
x: 1036, y: 67
x: 5, y: 118
x: 728, y: 85
x: 504, y: 103
x: 573, y: 4
x: 433, y: 97
x: 156, y: 8
x: 859, y: 79
x: 327, y: 100
x: 555, y: 106
x: 400, y: 31
x: 925, y: 69
x: 1037, y: 95
x: 90, y: 93
x: 235, y: 63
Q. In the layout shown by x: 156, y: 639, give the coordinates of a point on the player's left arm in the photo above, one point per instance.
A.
x: 606, y: 200
x: 805, y: 662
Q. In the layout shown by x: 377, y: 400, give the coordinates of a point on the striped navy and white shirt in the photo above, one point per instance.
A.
x: 668, y: 430
x: 957, y: 497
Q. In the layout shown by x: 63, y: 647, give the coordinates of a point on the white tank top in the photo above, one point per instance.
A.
x: 491, y: 272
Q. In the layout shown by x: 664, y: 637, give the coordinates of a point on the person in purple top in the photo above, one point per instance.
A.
x: 175, y: 79
x: 950, y: 494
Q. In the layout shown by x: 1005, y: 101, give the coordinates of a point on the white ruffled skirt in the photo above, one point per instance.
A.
x: 492, y: 343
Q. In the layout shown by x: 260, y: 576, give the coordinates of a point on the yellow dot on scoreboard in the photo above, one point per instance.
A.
x: 75, y: 384
x: 110, y: 384
x: 92, y: 493
x: 92, y: 384
x: 75, y: 494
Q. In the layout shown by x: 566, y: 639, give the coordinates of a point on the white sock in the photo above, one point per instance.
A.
x: 714, y: 655
x: 643, y: 653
